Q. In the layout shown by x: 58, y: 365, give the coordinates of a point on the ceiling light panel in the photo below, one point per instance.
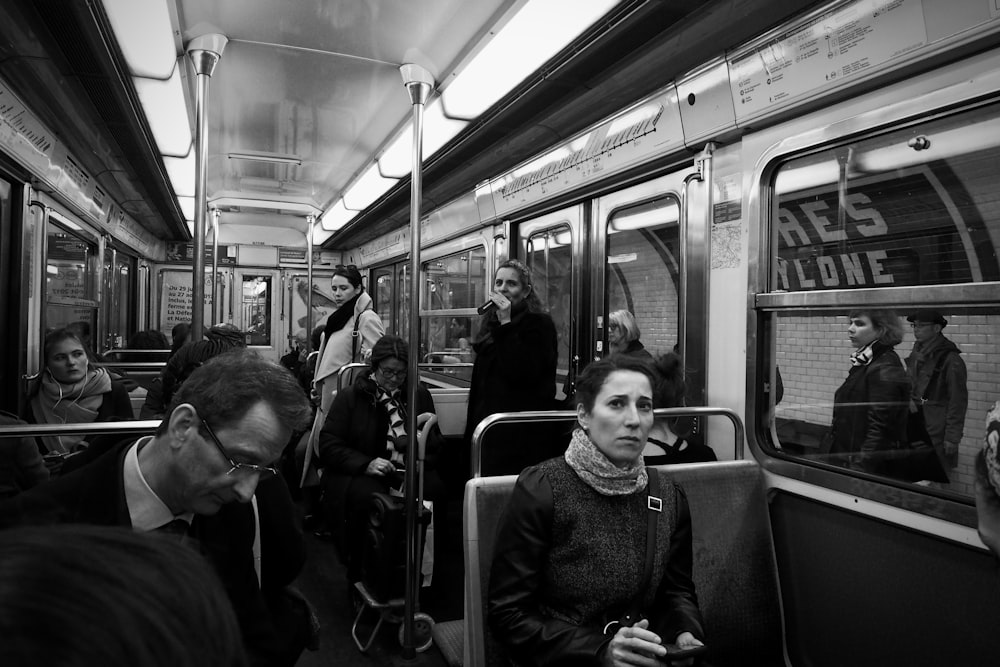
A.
x: 163, y: 102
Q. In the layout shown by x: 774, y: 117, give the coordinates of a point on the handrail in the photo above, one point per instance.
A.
x: 120, y: 351
x: 544, y: 416
x: 144, y: 427
x: 133, y: 365
x: 344, y: 370
x: 460, y: 364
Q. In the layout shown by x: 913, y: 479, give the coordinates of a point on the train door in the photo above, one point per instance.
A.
x: 257, y: 310
x: 651, y: 271
x: 118, y: 298
x: 553, y: 245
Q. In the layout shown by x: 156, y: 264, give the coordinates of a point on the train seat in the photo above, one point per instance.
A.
x: 735, y: 570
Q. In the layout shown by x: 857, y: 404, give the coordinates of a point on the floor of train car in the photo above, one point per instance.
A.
x: 324, y: 582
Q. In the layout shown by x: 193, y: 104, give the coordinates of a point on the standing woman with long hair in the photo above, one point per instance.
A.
x: 350, y: 333
x: 515, y: 370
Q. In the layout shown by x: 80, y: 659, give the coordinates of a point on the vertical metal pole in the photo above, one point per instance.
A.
x: 418, y: 82
x: 205, y: 52
x: 310, y: 221
x: 216, y: 214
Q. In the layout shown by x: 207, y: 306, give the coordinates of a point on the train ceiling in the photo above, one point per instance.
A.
x: 307, y: 95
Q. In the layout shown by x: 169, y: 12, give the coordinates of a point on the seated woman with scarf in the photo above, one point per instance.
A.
x: 572, y: 582
x: 362, y: 447
x: 70, y: 391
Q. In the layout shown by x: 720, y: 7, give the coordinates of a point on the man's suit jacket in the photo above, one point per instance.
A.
x: 95, y: 494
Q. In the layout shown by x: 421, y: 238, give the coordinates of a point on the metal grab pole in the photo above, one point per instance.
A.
x: 418, y: 82
x: 205, y: 52
x: 216, y: 214
x: 310, y: 221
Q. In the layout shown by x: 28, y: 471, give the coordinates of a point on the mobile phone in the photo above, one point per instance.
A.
x: 675, y: 652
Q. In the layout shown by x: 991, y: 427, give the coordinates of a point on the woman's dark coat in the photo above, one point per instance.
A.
x: 870, y: 412
x: 515, y: 370
x: 355, y: 433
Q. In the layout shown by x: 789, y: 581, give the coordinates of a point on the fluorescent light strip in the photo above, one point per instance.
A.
x: 531, y: 38
x: 182, y: 173
x: 163, y: 102
x: 367, y: 188
x: 397, y: 159
x: 145, y: 35
x: 337, y: 217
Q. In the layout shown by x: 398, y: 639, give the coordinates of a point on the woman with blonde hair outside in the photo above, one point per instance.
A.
x: 623, y: 336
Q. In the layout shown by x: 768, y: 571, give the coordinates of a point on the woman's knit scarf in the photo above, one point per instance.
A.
x: 341, y: 316
x: 397, y: 424
x: 863, y: 355
x: 600, y: 474
x: 57, y: 403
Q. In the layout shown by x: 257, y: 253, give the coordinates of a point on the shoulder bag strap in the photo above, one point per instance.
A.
x: 354, y: 336
x: 654, y: 505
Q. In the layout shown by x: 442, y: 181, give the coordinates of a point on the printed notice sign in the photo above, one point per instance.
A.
x: 838, y: 45
x: 22, y: 133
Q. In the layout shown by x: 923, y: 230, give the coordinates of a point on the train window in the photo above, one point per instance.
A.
x: 403, y: 290
x: 255, y: 302
x: 71, y: 271
x: 382, y: 280
x: 550, y: 258
x: 914, y: 207
x: 453, y: 287
x: 643, y: 270
x: 890, y: 382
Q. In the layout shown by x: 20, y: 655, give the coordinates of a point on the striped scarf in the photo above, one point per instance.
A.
x: 397, y: 425
x: 863, y: 355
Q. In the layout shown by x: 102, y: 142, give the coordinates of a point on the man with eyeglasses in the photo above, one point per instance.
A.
x: 207, y: 477
x: 938, y: 377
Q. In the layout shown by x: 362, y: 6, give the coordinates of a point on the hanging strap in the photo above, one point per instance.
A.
x: 654, y: 505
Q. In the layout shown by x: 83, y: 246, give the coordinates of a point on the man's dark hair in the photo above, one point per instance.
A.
x: 228, y: 385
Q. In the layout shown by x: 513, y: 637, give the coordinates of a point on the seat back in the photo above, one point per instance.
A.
x: 735, y: 571
x: 485, y: 501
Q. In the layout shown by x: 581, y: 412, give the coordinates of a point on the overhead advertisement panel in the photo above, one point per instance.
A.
x: 639, y: 134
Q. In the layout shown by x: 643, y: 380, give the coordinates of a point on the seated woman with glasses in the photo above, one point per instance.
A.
x: 362, y: 447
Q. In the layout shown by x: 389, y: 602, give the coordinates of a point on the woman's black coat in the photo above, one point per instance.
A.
x: 355, y: 433
x: 514, y: 371
x: 870, y: 411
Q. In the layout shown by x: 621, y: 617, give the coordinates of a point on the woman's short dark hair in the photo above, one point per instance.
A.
x: 886, y: 322
x: 102, y: 595
x: 524, y: 277
x: 351, y: 273
x: 389, y: 347
x: 57, y: 336
x: 593, y: 377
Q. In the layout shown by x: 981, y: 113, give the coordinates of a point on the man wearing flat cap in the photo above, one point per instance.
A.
x: 938, y: 376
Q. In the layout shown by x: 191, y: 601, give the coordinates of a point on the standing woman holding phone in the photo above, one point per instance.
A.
x: 515, y: 370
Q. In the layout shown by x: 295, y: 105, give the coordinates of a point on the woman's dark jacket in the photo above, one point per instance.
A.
x: 515, y: 370
x: 568, y: 560
x: 870, y: 411
x: 638, y: 350
x: 355, y: 433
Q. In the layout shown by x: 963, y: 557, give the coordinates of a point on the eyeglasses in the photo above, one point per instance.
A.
x: 921, y: 325
x: 263, y: 471
x: 396, y: 375
x: 614, y: 325
x: 346, y: 266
